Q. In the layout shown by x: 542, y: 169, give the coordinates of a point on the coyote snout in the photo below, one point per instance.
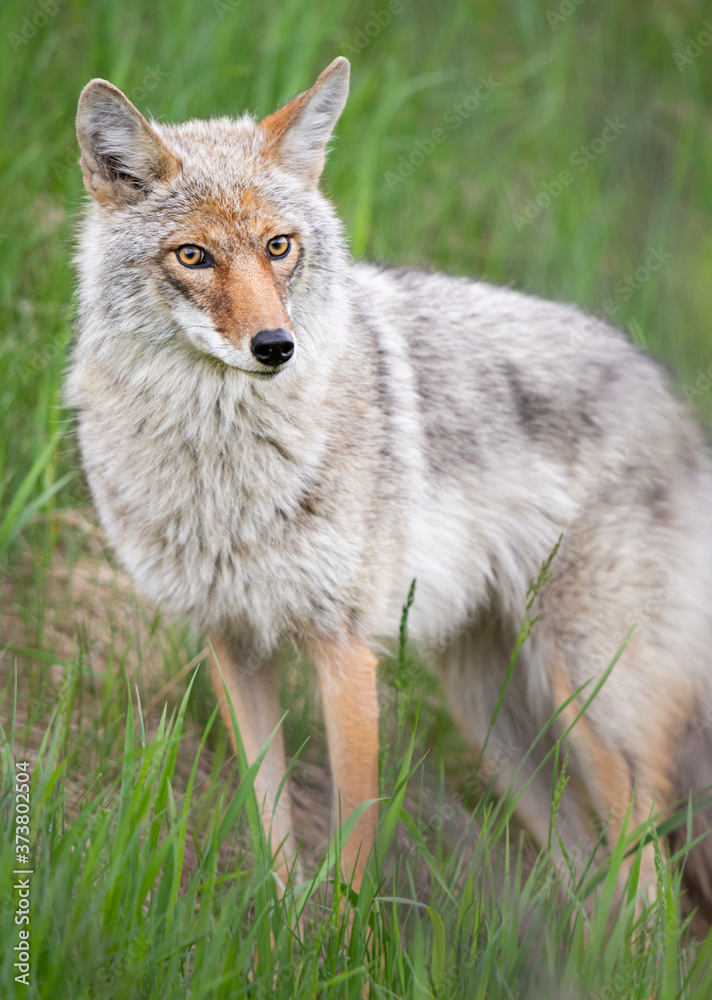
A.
x: 272, y: 347
x: 230, y: 302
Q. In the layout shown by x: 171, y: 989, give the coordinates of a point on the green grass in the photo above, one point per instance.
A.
x: 119, y: 910
x: 144, y: 886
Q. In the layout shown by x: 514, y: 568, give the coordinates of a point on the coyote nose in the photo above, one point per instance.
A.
x: 272, y: 347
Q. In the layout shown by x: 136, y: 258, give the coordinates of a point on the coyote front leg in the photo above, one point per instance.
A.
x: 347, y: 678
x: 254, y: 693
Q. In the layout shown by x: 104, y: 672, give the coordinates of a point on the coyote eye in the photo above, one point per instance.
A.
x: 192, y: 256
x: 279, y: 246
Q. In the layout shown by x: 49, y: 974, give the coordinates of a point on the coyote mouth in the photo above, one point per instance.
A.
x: 264, y: 376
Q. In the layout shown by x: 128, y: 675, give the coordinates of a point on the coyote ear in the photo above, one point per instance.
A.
x: 122, y: 156
x: 297, y: 134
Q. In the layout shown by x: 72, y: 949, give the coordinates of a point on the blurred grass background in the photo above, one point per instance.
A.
x: 516, y: 90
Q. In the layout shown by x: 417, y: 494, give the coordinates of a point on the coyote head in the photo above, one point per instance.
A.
x: 209, y: 231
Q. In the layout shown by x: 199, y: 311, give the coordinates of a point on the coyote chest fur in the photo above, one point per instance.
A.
x: 278, y: 440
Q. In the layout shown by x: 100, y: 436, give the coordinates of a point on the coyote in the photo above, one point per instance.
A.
x: 278, y: 440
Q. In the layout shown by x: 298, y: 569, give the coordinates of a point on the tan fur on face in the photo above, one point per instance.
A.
x: 245, y: 291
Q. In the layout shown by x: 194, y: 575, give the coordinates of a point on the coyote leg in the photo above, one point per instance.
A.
x: 611, y: 781
x: 347, y: 678
x: 254, y: 694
